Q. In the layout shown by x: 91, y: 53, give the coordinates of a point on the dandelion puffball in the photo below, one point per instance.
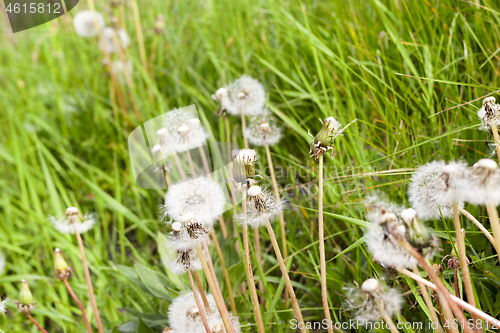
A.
x: 244, y: 96
x: 182, y: 131
x: 73, y: 221
x: 110, y: 37
x: 483, y: 185
x: 261, y: 131
x: 201, y: 197
x: 184, y: 315
x: 261, y: 207
x: 433, y: 187
x: 366, y: 300
x: 85, y: 25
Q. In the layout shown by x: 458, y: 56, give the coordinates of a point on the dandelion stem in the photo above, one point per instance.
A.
x: 494, y: 130
x: 495, y: 223
x: 244, y: 129
x: 248, y: 265
x: 466, y: 306
x: 80, y: 305
x: 284, y: 272
x: 190, y: 163
x: 179, y: 166
x: 463, y: 257
x: 198, y: 303
x: 321, y: 232
x: 218, y: 301
x: 202, y: 291
x: 446, y: 300
x: 89, y: 282
x: 140, y: 36
x: 281, y: 217
x: 481, y: 227
x: 227, y: 279
x: 35, y: 322
x: 386, y: 317
x: 428, y: 301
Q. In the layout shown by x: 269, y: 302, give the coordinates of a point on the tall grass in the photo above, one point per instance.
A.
x: 404, y: 69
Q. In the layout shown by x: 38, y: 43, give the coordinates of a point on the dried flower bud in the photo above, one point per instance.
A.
x: 159, y: 25
x: 323, y: 141
x: 25, y: 304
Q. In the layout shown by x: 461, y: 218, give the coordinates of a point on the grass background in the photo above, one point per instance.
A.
x: 403, y: 68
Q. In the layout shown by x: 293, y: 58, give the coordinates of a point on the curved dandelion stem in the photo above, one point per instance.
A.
x: 466, y: 306
x: 248, y: 266
x: 284, y: 272
x: 447, y: 302
x: 495, y: 243
x: 35, y: 322
x: 428, y: 302
x: 198, y: 303
x: 218, y: 301
x: 89, y: 282
x: 386, y: 317
x: 464, y: 263
x: 321, y: 232
x: 281, y: 217
x: 202, y: 291
x: 80, y: 305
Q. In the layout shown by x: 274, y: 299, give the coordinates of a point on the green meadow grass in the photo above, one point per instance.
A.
x: 404, y: 69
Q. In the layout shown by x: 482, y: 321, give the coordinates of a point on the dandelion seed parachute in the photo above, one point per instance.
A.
x: 365, y: 300
x: 245, y: 95
x: 431, y: 193
x: 84, y: 23
x: 3, y: 303
x: 201, y: 197
x: 73, y: 221
x: 108, y: 39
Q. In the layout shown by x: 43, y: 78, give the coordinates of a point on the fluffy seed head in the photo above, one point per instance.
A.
x: 180, y: 261
x: 408, y: 215
x: 433, y: 187
x: 366, y: 300
x: 113, y: 39
x: 73, y: 221
x: 261, y: 206
x: 263, y: 130
x: 489, y: 112
x: 184, y: 130
x: 201, y: 197
x: 84, y: 23
x: 483, y: 184
x: 244, y: 96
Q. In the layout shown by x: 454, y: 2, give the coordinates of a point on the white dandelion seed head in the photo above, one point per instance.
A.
x: 385, y: 249
x: 180, y: 261
x: 246, y: 156
x: 84, y: 23
x: 263, y: 130
x: 365, y: 301
x: 2, y: 263
x: 261, y: 207
x: 483, y: 184
x: 110, y: 36
x: 245, y: 95
x: 201, y: 197
x: 409, y: 215
x: 183, y: 130
x: 490, y: 111
x: 377, y: 205
x: 3, y: 303
x: 73, y: 221
x: 183, y: 313
x: 430, y: 193
x: 220, y: 94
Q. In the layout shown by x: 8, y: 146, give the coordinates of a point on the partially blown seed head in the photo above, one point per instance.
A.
x: 433, y: 188
x: 73, y: 221
x: 489, y: 112
x: 263, y: 130
x: 84, y: 23
x: 483, y: 184
x: 323, y: 141
x: 244, y: 96
x: 261, y: 206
